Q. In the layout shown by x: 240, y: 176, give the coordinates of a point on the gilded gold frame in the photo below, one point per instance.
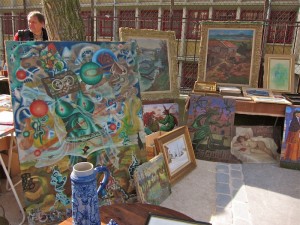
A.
x: 256, y: 49
x: 172, y: 92
x: 205, y: 86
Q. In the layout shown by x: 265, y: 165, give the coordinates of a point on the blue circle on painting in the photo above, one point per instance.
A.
x: 105, y: 58
x: 90, y: 74
x: 288, y: 109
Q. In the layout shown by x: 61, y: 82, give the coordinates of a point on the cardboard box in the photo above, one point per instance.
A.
x: 150, y: 146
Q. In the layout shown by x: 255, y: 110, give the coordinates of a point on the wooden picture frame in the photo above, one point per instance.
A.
x: 178, y: 152
x: 279, y: 73
x: 230, y: 53
x: 158, y: 77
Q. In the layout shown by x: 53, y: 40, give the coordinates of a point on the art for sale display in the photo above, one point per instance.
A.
x: 152, y: 181
x: 290, y: 151
x: 210, y: 121
x: 160, y: 117
x: 157, y: 62
x: 74, y: 101
x: 230, y: 53
x: 256, y: 144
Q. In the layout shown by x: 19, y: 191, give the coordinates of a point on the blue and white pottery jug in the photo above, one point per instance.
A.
x: 85, y: 206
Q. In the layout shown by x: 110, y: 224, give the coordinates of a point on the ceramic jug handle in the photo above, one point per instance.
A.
x: 103, y: 183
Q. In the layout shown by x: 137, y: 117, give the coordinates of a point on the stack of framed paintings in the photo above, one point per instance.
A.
x: 293, y: 98
x: 265, y: 95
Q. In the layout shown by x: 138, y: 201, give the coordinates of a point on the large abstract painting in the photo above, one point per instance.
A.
x: 72, y: 102
x: 230, y: 53
x: 210, y: 122
x: 290, y: 151
x: 157, y: 62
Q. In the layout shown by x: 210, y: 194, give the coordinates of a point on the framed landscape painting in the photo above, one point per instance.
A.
x: 152, y: 181
x: 279, y: 73
x: 157, y: 60
x: 230, y: 53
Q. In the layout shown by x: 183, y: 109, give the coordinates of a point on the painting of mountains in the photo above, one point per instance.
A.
x: 231, y: 54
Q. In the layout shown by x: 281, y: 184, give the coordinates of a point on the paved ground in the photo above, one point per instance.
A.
x: 221, y: 193
x: 241, y: 194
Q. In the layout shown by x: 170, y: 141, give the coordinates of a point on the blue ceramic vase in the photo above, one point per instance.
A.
x: 85, y: 206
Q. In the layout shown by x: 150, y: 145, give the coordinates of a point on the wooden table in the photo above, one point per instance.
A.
x: 132, y: 214
x: 259, y: 108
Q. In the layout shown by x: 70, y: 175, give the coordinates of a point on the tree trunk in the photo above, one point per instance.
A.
x: 63, y: 20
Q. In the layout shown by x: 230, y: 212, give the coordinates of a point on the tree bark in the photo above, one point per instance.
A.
x: 63, y: 20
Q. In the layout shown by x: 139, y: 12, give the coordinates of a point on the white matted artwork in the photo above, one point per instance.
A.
x: 177, y: 149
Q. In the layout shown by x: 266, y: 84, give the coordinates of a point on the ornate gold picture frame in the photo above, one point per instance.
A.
x: 230, y: 53
x: 205, y: 86
x: 157, y: 62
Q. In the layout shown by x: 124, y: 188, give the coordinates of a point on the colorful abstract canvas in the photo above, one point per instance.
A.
x: 210, y: 122
x: 152, y: 181
x: 72, y: 102
x: 160, y: 117
x: 290, y: 151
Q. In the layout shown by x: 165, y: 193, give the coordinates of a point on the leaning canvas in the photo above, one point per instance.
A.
x: 210, y: 122
x: 72, y: 102
x: 160, y: 117
x: 256, y: 144
x: 152, y: 181
x: 290, y: 151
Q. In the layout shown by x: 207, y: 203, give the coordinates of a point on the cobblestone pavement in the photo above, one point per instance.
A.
x: 231, y: 197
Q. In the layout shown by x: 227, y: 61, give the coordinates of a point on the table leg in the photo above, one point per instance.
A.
x: 11, y: 146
